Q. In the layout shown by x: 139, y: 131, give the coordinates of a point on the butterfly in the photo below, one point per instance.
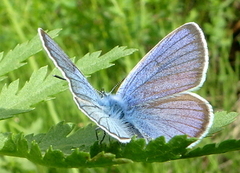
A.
x: 155, y: 99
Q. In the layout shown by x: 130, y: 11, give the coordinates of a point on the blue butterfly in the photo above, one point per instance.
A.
x: 155, y: 99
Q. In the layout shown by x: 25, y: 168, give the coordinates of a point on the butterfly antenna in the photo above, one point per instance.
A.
x: 117, y: 85
x: 102, y: 93
x: 59, y: 77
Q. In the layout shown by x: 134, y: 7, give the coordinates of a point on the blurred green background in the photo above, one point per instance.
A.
x: 93, y: 25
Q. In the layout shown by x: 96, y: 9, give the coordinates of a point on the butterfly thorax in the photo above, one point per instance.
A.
x: 114, y: 106
x: 118, y: 111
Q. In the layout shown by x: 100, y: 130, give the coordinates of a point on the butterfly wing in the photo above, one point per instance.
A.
x: 187, y: 114
x: 157, y: 89
x: 176, y: 64
x: 86, y: 98
x: 78, y: 83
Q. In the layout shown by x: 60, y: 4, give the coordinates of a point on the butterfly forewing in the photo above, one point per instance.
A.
x: 84, y: 95
x: 78, y: 83
x: 176, y: 64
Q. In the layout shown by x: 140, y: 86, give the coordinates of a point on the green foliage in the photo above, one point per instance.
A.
x: 221, y: 120
x: 63, y: 147
x: 101, y: 25
x: 101, y: 62
x: 223, y: 147
x: 39, y: 87
x: 14, y: 59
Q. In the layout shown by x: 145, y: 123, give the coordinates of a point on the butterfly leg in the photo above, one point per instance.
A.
x: 103, y: 137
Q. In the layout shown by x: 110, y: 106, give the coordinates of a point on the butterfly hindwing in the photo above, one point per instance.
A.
x: 187, y: 114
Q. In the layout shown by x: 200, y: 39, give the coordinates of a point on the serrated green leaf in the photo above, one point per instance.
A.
x: 65, y: 148
x: 58, y: 137
x: 10, y: 144
x: 222, y: 119
x: 37, y: 89
x: 35, y: 154
x: 14, y: 101
x: 157, y: 150
x: 14, y: 58
x: 223, y: 147
x: 34, y: 148
x: 101, y: 62
x: 62, y: 146
x: 4, y: 138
